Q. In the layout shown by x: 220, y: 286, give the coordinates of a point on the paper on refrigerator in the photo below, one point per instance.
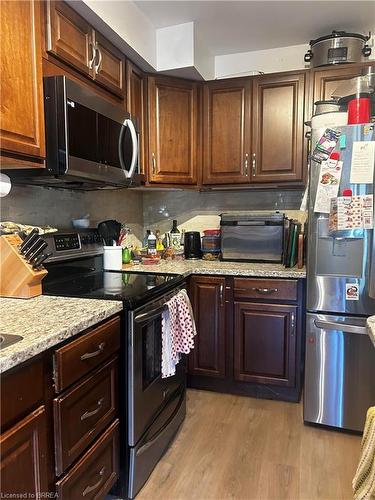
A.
x: 362, y: 166
x: 328, y: 186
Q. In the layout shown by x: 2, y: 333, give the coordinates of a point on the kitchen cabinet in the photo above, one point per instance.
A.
x: 326, y: 80
x: 227, y: 131
x: 73, y: 40
x: 265, y: 343
x: 253, y: 130
x: 173, y: 131
x: 277, y: 128
x: 22, y: 117
x: 136, y: 95
x: 249, y: 336
x: 61, y: 431
x: 208, y: 356
x: 23, y: 457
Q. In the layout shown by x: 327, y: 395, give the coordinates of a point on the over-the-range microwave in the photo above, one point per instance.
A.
x: 90, y: 143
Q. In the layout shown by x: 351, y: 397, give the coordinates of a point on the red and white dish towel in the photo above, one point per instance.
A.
x: 178, y: 332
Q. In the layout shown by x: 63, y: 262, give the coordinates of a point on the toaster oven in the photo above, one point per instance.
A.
x: 252, y: 237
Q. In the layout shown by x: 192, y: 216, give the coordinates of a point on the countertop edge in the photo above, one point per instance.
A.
x: 371, y: 328
x: 16, y: 358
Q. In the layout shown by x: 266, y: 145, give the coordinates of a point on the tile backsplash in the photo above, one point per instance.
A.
x: 46, y: 206
x: 201, y: 210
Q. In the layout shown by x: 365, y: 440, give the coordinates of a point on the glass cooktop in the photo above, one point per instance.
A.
x: 134, y: 289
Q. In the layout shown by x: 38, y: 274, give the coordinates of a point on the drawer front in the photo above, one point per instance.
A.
x: 82, y: 355
x: 18, y: 396
x: 96, y: 472
x: 82, y: 413
x: 245, y: 288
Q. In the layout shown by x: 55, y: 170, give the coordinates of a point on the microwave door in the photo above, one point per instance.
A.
x: 128, y: 148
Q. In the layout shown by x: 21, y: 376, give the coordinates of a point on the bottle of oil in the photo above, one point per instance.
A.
x: 175, y: 236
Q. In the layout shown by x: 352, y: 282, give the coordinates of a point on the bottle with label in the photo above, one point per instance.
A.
x: 175, y: 236
x: 151, y: 244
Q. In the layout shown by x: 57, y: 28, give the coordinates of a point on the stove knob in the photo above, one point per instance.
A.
x: 84, y: 240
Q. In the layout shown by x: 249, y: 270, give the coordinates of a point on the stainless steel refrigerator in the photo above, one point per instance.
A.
x: 340, y: 357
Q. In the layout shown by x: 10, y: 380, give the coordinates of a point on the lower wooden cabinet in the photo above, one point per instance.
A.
x: 208, y: 356
x: 23, y: 458
x: 265, y: 343
x: 249, y: 336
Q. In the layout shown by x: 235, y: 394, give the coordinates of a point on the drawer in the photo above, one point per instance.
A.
x: 96, y: 472
x: 18, y: 396
x: 82, y: 355
x: 82, y: 413
x: 273, y: 289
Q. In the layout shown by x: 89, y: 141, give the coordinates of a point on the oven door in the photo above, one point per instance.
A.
x: 148, y: 392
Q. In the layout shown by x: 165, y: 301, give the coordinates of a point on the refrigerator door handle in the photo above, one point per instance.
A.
x: 342, y: 327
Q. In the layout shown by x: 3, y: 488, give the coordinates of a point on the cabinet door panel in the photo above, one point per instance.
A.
x: 265, y: 343
x: 227, y: 132
x: 278, y: 110
x: 136, y: 105
x: 69, y: 36
x: 23, y: 457
x: 110, y: 64
x: 22, y: 116
x: 208, y: 355
x: 327, y: 80
x: 173, y: 131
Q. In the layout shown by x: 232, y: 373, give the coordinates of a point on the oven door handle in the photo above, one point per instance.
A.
x: 149, y: 314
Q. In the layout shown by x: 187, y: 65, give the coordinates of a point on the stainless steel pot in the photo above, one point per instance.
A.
x: 326, y: 106
x: 337, y: 48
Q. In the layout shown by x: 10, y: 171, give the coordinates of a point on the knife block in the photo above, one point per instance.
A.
x: 17, y: 277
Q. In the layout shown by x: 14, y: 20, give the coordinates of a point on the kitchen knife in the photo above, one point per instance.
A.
x: 38, y: 250
x: 35, y: 244
x: 37, y: 264
x: 29, y: 240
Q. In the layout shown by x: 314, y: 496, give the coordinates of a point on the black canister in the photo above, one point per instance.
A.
x: 192, y: 245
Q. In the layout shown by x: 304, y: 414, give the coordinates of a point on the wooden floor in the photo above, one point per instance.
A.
x: 232, y: 447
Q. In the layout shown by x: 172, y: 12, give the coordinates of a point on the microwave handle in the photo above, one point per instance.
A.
x: 128, y: 123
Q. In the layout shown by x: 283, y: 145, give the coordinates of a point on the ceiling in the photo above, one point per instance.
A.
x: 227, y: 27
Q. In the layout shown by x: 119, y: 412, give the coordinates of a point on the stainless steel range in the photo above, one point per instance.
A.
x: 151, y: 408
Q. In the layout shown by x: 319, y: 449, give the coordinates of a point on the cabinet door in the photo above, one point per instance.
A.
x: 109, y: 66
x: 173, y: 131
x: 265, y: 343
x: 136, y: 105
x: 327, y: 80
x: 278, y: 112
x: 70, y: 37
x: 208, y: 355
x: 23, y: 457
x: 227, y: 132
x: 21, y: 90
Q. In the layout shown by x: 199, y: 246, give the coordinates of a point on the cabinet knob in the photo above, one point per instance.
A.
x: 292, y: 324
x: 153, y: 163
x: 93, y: 55
x: 98, y: 67
x: 246, y: 164
x: 254, y: 164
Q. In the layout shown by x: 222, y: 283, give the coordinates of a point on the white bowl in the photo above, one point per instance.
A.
x: 81, y: 223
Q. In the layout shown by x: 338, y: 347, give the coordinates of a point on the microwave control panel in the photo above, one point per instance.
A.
x: 67, y: 242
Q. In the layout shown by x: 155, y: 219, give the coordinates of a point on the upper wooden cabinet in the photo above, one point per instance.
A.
x: 73, y: 40
x: 277, y: 117
x: 136, y: 94
x: 173, y: 130
x: 327, y: 80
x: 227, y: 132
x: 21, y: 91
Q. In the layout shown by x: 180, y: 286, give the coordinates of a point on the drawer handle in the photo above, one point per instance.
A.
x: 264, y: 291
x: 91, y: 413
x: 89, y: 489
x: 89, y: 355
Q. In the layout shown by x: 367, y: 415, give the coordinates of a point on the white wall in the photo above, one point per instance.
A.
x: 175, y: 46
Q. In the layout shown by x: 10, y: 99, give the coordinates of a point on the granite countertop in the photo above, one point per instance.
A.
x: 371, y: 328
x: 45, y: 321
x: 187, y: 267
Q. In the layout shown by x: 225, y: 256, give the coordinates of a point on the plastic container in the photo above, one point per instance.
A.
x: 112, y: 258
x: 211, y: 243
x: 210, y: 255
x: 212, y: 232
x: 359, y: 110
x: 81, y: 223
x: 151, y: 244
